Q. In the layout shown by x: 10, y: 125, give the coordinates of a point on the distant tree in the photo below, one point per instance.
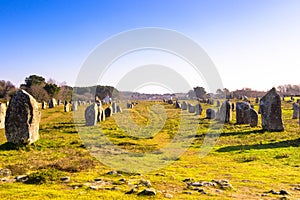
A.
x: 7, y: 89
x: 52, y: 89
x: 38, y: 92
x: 34, y: 80
x: 65, y: 93
x: 191, y: 94
x: 200, y: 92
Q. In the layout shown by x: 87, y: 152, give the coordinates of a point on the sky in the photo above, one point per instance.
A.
x: 252, y: 43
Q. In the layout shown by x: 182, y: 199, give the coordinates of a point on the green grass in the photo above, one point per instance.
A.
x: 253, y: 161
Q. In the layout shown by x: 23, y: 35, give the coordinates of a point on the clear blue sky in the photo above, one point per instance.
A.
x: 253, y: 43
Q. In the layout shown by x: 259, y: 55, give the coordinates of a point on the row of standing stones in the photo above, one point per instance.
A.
x: 269, y: 108
x: 22, y: 115
x: 95, y: 112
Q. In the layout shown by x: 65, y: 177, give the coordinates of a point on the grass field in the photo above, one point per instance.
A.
x: 254, y: 162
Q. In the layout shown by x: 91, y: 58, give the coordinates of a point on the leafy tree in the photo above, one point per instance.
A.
x: 7, y: 89
x: 38, y: 92
x: 34, y: 80
x: 65, y: 93
x: 200, y: 92
x: 52, y: 89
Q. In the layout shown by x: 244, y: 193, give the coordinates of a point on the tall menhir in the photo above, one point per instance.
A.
x: 22, y: 119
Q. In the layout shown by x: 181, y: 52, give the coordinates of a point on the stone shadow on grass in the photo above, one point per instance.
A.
x: 281, y: 144
x: 8, y: 146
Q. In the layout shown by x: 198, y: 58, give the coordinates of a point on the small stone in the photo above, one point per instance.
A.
x: 132, y: 191
x: 196, y: 184
x: 169, y: 196
x: 187, y: 192
x: 187, y: 179
x: 114, y: 188
x: 65, y: 179
x: 147, y: 192
x: 112, y: 172
x: 94, y: 187
x: 201, y: 191
x: 283, y: 192
x: 21, y: 178
x: 146, y: 183
x: 5, y: 172
x: 122, y: 180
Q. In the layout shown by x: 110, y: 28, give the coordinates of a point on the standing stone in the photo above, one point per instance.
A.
x: 225, y: 112
x: 44, y: 105
x: 210, y: 113
x: 242, y: 113
x: 170, y: 101
x: 114, y: 107
x: 22, y: 119
x: 218, y: 103
x: 58, y: 102
x: 74, y: 105
x: 130, y: 105
x: 184, y: 105
x: 232, y: 107
x: 295, y: 110
x: 177, y: 105
x: 270, y: 109
x: 101, y: 114
x: 67, y: 107
x: 2, y: 114
x: 119, y: 109
x: 52, y: 103
x: 91, y: 113
x: 256, y: 100
x: 191, y: 108
x: 198, y: 109
x: 253, y: 117
x: 108, y: 112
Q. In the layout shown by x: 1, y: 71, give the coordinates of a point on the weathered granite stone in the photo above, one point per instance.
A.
x: 91, y: 113
x: 2, y: 114
x: 210, y: 113
x: 67, y: 107
x: 119, y: 109
x: 218, y: 103
x: 253, y: 117
x: 242, y: 113
x: 184, y: 105
x: 22, y: 119
x: 44, y: 105
x: 170, y: 101
x: 108, y: 111
x: 225, y: 112
x: 295, y: 110
x: 191, y: 108
x: 74, y: 105
x: 52, y: 103
x: 177, y: 104
x: 270, y: 109
x: 101, y: 114
x: 114, y: 107
x: 198, y: 109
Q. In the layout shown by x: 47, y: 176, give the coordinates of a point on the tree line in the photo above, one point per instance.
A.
x: 42, y: 90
